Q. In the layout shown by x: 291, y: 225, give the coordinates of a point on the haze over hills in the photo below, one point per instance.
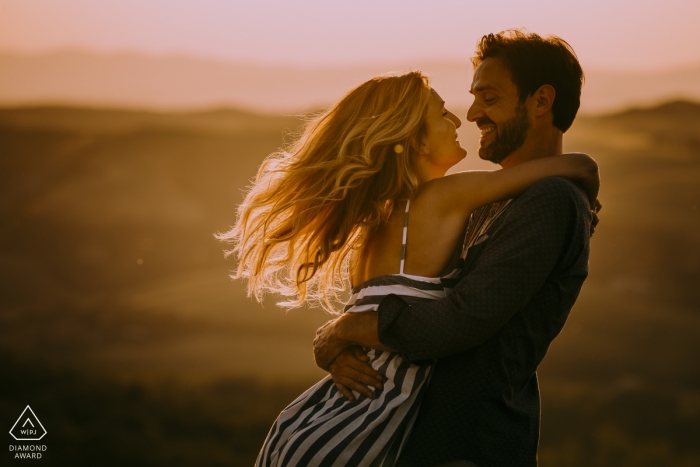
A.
x: 182, y: 82
x: 86, y: 193
x: 110, y: 274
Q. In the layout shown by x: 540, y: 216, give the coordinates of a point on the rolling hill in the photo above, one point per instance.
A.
x: 114, y: 290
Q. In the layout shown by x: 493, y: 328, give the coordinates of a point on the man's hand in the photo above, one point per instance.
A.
x: 327, y: 345
x: 351, y: 371
x: 349, y: 329
x: 595, y: 209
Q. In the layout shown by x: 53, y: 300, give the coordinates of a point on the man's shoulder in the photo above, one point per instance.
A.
x: 556, y: 185
x: 555, y: 190
x: 553, y: 201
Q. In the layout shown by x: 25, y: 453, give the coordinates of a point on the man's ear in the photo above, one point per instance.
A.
x: 544, y: 99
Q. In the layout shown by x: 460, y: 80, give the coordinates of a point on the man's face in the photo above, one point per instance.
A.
x: 497, y: 111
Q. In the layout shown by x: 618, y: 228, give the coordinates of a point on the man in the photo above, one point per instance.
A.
x: 524, y: 267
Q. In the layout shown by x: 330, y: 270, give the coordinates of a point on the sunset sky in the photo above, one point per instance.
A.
x: 607, y: 34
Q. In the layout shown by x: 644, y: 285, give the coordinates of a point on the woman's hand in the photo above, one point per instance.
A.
x: 595, y: 209
x: 588, y: 175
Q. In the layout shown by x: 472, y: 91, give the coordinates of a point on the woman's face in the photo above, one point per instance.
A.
x: 439, y: 149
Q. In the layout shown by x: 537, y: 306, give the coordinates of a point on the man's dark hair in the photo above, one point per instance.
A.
x: 535, y: 61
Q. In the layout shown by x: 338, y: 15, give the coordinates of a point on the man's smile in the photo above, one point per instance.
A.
x: 486, y: 130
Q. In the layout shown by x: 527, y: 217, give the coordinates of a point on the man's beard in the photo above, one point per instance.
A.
x: 509, y: 137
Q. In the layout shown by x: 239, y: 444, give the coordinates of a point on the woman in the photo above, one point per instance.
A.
x: 335, y: 208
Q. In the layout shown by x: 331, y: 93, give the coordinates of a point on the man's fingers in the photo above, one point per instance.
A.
x: 351, y: 359
x: 360, y: 354
x: 361, y: 377
x: 360, y: 363
x: 355, y: 386
x: 345, y: 391
x: 347, y: 372
x: 366, y: 372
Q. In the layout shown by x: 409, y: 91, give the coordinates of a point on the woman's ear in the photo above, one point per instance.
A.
x: 544, y: 99
x: 417, y: 145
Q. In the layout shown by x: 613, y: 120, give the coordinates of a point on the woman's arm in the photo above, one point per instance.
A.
x: 466, y: 191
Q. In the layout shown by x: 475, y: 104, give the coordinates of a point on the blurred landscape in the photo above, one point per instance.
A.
x: 120, y: 326
x: 177, y: 82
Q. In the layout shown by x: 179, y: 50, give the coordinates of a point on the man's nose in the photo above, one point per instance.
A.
x: 474, y: 112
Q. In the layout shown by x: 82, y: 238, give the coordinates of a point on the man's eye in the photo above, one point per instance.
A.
x: 490, y: 100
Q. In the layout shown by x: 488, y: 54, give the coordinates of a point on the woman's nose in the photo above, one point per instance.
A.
x: 456, y: 120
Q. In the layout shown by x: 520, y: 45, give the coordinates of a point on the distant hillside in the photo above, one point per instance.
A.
x: 179, y: 82
x: 608, y: 90
x: 678, y: 109
x: 86, y: 193
x: 109, y: 271
x: 85, y: 120
x: 172, y: 82
x: 109, y: 216
x: 671, y: 129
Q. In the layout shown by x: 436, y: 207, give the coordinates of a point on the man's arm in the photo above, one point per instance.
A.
x: 512, y: 267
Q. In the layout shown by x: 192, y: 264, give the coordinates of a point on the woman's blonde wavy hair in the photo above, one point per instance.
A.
x: 312, y: 204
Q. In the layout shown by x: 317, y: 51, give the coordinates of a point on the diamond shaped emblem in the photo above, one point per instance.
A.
x: 28, y: 427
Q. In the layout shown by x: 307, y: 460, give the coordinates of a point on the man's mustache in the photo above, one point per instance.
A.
x: 484, y: 121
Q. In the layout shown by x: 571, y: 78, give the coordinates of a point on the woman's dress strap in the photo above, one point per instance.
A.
x: 405, y: 233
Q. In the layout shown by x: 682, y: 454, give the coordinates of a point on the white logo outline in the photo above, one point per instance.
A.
x: 20, y: 418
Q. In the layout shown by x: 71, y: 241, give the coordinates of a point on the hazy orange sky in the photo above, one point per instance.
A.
x: 607, y: 34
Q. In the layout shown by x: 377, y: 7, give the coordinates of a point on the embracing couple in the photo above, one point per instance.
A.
x: 459, y: 282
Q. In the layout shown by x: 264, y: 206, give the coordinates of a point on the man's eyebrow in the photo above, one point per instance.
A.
x: 482, y: 88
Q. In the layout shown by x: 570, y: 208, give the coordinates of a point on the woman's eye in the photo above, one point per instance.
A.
x: 444, y: 113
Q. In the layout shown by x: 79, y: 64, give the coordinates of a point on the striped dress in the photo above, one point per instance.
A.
x: 322, y: 428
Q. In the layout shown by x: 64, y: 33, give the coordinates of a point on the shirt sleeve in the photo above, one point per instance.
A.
x: 529, y: 246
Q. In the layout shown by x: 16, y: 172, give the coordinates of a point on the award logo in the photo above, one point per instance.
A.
x: 28, y: 428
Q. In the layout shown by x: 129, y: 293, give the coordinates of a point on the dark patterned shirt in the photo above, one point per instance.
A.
x: 521, y: 280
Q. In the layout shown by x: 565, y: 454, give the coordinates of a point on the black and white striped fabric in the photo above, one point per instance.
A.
x: 322, y: 428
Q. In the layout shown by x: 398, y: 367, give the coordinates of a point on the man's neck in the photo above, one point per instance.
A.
x: 535, y: 147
